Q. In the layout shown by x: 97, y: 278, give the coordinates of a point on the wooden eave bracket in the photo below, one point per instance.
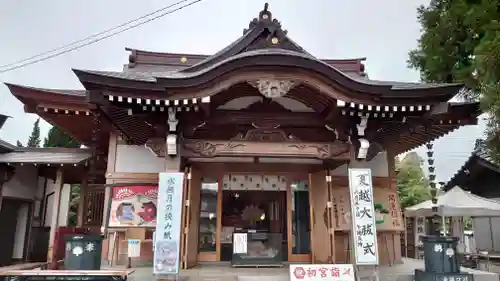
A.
x: 440, y: 108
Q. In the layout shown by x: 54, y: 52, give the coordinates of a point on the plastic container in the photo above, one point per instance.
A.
x: 440, y: 254
x: 83, y: 252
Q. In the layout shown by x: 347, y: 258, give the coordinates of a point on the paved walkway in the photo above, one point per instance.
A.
x: 223, y: 272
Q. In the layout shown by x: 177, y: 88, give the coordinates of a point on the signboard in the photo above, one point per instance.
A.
x: 133, y: 206
x: 364, y: 230
x: 388, y: 215
x: 168, y: 226
x: 239, y: 243
x: 134, y: 248
x: 419, y: 230
x: 327, y: 272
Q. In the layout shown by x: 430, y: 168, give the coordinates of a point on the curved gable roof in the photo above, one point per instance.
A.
x: 263, y: 32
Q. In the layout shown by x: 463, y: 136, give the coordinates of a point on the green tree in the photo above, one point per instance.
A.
x: 34, y: 139
x: 74, y: 202
x: 412, y: 184
x: 57, y: 138
x: 19, y: 144
x: 460, y: 42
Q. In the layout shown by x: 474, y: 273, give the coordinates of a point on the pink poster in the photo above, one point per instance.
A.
x: 134, y: 206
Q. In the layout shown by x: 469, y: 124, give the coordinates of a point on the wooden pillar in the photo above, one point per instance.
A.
x: 321, y: 248
x: 4, y: 177
x: 81, y: 216
x: 1, y: 192
x: 54, y: 220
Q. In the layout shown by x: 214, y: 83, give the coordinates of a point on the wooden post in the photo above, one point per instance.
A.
x: 54, y: 220
x: 81, y: 205
x: 1, y: 193
x: 3, y: 179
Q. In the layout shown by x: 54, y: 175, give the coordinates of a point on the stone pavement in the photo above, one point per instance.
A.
x: 224, y: 272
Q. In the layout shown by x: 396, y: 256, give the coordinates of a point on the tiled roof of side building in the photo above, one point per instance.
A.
x: 6, y: 147
x: 46, y: 155
x: 480, y: 154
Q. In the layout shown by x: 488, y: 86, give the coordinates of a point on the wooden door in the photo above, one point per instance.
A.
x: 191, y: 218
x: 322, y: 231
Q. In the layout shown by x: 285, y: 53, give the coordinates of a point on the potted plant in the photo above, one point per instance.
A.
x: 380, y: 213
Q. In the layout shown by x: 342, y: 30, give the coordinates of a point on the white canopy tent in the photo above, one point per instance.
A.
x: 457, y: 203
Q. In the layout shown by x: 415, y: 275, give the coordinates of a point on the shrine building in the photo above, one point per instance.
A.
x: 261, y: 125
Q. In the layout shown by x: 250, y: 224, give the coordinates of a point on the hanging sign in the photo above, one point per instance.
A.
x: 364, y: 230
x: 134, y: 248
x: 420, y: 230
x: 168, y: 225
x: 327, y: 272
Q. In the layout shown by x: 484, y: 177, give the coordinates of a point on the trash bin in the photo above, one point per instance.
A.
x: 440, y: 254
x: 83, y: 252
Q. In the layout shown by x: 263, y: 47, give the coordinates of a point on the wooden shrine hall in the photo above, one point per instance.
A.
x: 261, y: 109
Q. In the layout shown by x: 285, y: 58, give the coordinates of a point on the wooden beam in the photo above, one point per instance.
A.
x: 81, y: 214
x: 222, y: 148
x: 227, y: 117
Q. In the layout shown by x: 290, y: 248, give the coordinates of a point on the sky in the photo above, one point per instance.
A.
x: 382, y: 31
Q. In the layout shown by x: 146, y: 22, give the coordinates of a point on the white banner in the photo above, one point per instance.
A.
x: 134, y: 248
x: 168, y: 224
x: 364, y: 230
x: 325, y: 272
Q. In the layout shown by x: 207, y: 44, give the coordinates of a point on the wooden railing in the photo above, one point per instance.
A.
x: 94, y: 207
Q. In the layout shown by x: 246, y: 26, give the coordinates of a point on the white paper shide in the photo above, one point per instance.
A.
x: 364, y: 231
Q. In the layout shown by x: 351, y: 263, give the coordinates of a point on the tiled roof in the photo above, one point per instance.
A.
x: 480, y: 152
x: 46, y: 156
x: 6, y: 146
x: 155, y: 73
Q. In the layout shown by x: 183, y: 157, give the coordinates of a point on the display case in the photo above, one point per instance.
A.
x: 257, y: 248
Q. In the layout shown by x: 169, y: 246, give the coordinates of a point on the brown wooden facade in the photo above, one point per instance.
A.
x: 261, y: 105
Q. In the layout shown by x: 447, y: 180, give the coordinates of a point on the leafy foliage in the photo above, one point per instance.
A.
x: 34, y: 139
x: 412, y: 185
x: 57, y: 138
x: 460, y: 43
x: 74, y: 201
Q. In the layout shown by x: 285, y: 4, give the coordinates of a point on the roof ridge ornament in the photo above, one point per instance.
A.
x: 265, y: 17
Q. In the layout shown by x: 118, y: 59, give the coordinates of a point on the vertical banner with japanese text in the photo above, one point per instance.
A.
x: 168, y: 224
x: 364, y: 230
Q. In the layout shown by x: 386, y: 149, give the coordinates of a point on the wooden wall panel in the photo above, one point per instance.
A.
x: 193, y: 218
x: 318, y: 198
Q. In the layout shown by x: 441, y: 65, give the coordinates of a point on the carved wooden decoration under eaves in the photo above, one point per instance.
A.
x: 157, y: 146
x: 212, y: 148
x: 270, y: 135
x: 273, y: 88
